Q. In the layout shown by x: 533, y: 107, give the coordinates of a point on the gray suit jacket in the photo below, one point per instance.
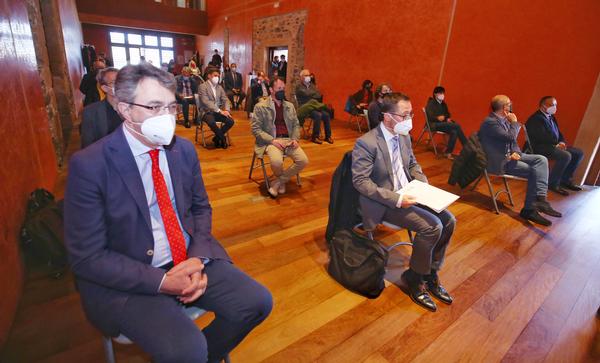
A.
x: 372, y: 174
x: 207, y: 101
x: 497, y: 140
x: 263, y: 123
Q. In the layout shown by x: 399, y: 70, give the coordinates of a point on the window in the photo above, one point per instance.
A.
x: 129, y: 47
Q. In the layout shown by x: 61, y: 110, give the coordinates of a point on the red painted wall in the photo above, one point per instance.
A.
x: 27, y: 160
x: 97, y: 35
x: 524, y: 49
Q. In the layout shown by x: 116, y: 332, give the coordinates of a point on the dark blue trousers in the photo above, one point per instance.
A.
x: 158, y: 324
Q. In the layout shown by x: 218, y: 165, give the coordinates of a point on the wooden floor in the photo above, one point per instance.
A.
x: 522, y: 293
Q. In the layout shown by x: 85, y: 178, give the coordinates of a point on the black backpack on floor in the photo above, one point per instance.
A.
x: 42, y: 235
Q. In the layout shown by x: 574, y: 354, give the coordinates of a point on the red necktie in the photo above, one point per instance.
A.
x: 174, y: 234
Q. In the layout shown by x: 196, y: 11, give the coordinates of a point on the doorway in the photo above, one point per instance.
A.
x: 273, y: 52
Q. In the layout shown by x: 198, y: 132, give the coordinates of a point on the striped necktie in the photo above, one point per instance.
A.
x: 399, y: 174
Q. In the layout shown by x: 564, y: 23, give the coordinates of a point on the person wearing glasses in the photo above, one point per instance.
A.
x: 214, y: 107
x: 101, y: 118
x: 138, y: 234
x: 383, y: 163
x: 498, y: 136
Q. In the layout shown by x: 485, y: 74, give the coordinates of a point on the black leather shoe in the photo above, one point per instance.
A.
x: 571, y: 186
x: 438, y: 291
x: 559, y: 190
x: 546, y: 208
x: 224, y: 144
x: 417, y: 293
x: 534, y: 216
x: 217, y: 142
x: 187, y: 125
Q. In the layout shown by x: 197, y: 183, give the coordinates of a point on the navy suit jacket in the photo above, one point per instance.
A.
x: 497, y: 140
x: 540, y: 133
x: 107, y: 224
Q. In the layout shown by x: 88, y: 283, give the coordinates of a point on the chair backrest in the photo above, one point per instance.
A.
x: 426, y: 119
x: 348, y: 106
x: 527, y: 147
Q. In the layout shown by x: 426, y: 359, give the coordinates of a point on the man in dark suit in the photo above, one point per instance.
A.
x: 498, y: 135
x: 101, y: 118
x: 138, y: 233
x: 186, y: 89
x: 216, y: 59
x: 382, y: 164
x: 546, y: 139
x: 440, y: 120
x: 214, y: 107
x: 282, y: 71
x: 89, y: 85
x: 234, y: 86
x: 260, y: 88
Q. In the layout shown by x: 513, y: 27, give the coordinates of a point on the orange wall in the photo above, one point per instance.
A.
x: 28, y: 160
x: 524, y: 49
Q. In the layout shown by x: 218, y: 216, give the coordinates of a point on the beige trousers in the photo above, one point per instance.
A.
x: 276, y: 160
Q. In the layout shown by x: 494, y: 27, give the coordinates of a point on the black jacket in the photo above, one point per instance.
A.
x: 229, y: 83
x: 540, y: 133
x: 99, y: 119
x: 469, y: 165
x: 435, y: 109
x: 89, y: 88
x: 343, y: 199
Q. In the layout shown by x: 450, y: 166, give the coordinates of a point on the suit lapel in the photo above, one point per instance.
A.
x: 121, y: 155
x: 383, y: 149
x: 173, y: 158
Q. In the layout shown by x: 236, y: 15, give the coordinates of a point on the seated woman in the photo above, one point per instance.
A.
x: 310, y: 102
x: 439, y: 120
x: 361, y: 99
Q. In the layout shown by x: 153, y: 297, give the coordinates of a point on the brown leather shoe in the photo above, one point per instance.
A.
x: 316, y: 140
x: 329, y: 140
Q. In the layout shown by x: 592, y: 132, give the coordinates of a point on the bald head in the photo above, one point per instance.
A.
x: 499, y: 101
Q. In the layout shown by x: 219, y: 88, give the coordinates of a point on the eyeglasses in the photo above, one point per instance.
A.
x: 173, y: 108
x: 403, y: 117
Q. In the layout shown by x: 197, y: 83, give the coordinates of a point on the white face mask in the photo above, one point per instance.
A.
x: 551, y: 110
x: 440, y: 97
x: 403, y: 127
x: 158, y: 130
x: 307, y: 79
x: 215, y: 80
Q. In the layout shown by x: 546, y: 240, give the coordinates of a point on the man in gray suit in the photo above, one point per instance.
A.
x: 382, y: 164
x: 214, y: 107
x: 101, y: 118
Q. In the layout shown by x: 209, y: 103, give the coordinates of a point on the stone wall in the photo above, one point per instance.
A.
x: 280, y: 30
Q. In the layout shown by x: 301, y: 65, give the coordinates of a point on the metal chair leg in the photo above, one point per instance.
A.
x: 410, y: 236
x: 476, y: 182
x: 202, y: 133
x: 252, y: 166
x: 420, y: 137
x: 492, y: 194
x: 109, y: 351
x: 298, y: 182
x: 264, y: 169
x: 432, y: 142
x: 510, y: 198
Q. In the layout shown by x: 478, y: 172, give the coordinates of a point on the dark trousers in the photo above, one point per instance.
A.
x: 535, y: 169
x: 317, y: 117
x: 185, y: 105
x: 211, y: 119
x: 158, y: 324
x: 433, y: 231
x: 454, y: 131
x: 241, y: 95
x: 566, y: 162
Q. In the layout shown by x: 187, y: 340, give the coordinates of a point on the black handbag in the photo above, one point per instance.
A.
x: 357, y: 263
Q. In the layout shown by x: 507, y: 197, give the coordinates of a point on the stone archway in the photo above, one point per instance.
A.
x: 281, y: 30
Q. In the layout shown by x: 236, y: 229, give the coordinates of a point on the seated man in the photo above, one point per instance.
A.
x: 375, y: 106
x: 186, y: 89
x: 277, y: 131
x: 307, y: 91
x: 89, y: 85
x: 101, y: 118
x: 546, y: 139
x: 382, y: 163
x: 498, y: 135
x: 138, y: 233
x: 260, y: 88
x: 362, y: 98
x: 439, y: 120
x: 233, y: 86
x: 215, y: 108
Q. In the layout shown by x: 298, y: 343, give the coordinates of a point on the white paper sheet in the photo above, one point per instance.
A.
x: 428, y: 195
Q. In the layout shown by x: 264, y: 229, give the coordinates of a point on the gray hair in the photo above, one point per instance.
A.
x: 101, y: 76
x: 130, y: 76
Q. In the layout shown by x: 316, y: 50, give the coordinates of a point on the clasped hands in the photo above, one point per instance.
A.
x: 281, y: 144
x: 186, y: 280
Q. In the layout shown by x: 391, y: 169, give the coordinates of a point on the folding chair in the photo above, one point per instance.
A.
x: 192, y: 312
x: 200, y: 128
x: 261, y: 164
x: 358, y: 118
x: 494, y: 194
x: 427, y: 129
